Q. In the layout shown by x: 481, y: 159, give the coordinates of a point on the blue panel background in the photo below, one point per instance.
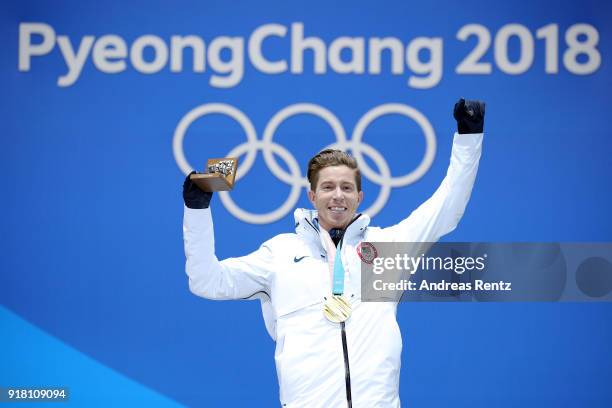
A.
x: 91, y: 205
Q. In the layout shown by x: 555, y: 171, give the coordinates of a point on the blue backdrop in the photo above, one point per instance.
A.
x: 93, y: 294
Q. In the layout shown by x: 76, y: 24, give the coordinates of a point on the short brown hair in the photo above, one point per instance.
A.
x: 328, y: 158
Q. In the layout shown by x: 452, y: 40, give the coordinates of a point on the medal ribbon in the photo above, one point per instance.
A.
x: 338, y: 287
x: 334, y: 260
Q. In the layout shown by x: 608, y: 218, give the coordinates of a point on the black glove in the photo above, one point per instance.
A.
x: 194, y: 197
x: 469, y: 116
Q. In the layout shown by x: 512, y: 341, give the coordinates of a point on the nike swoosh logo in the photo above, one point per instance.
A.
x: 296, y: 259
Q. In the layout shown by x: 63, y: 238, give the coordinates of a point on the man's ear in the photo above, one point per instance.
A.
x: 360, y: 197
x: 311, y: 196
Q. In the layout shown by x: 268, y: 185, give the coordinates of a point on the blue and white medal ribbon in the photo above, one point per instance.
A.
x: 337, y: 308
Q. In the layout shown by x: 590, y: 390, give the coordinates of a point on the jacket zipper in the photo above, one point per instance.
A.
x: 347, y: 371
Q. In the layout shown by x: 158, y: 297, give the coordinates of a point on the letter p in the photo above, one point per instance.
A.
x: 27, y: 49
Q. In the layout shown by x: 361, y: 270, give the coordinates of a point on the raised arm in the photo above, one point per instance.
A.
x: 441, y: 213
x: 232, y: 278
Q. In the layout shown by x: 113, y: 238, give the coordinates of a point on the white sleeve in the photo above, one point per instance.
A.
x: 441, y: 213
x: 232, y: 278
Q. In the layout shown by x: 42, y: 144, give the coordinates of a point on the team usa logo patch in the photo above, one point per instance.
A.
x: 367, y: 252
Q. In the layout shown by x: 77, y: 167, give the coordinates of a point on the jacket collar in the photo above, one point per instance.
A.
x: 307, y: 225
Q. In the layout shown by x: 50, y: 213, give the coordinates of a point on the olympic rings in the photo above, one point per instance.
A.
x: 294, y: 178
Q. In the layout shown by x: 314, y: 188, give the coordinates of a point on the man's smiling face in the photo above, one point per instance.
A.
x: 335, y: 196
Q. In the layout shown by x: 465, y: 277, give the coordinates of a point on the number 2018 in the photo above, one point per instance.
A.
x: 581, y: 39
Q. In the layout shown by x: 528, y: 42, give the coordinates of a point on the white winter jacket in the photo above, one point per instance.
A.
x: 290, y: 274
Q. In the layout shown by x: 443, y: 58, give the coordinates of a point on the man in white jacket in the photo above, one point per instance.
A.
x: 332, y: 350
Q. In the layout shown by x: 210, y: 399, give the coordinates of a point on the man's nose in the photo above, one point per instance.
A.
x: 338, y: 192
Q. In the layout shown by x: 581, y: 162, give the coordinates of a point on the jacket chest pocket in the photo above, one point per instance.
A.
x: 299, y: 283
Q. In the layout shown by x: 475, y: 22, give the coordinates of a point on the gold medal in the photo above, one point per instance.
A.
x: 337, y: 309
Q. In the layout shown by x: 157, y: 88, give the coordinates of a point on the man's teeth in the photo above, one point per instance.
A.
x: 337, y: 208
